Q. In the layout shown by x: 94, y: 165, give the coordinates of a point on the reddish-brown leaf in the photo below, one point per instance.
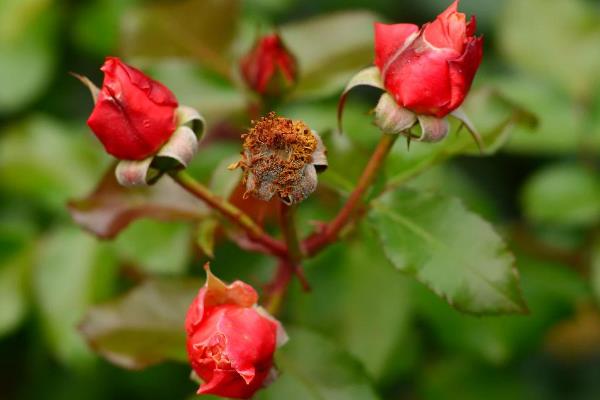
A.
x: 111, y: 207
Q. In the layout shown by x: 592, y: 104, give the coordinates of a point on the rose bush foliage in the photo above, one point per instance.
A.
x: 385, y: 227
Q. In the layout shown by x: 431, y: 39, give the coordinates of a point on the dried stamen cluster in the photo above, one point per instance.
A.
x: 281, y: 157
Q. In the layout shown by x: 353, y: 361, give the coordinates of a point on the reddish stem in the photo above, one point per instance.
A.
x: 231, y: 212
x: 290, y: 233
x: 278, y: 287
x: 330, y: 232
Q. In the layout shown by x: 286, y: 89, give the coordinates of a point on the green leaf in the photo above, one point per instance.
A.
x: 224, y: 181
x: 452, y: 251
x: 260, y: 8
x: 563, y: 194
x: 99, y: 16
x: 315, y: 368
x: 591, y: 131
x: 349, y: 281
x: 13, y: 294
x: 156, y: 247
x: 321, y: 117
x: 552, y: 291
x: 595, y: 268
x: 206, y: 232
x: 560, y: 125
x: 369, y: 284
x: 144, y: 327
x: 199, y: 88
x: 449, y: 179
x: 327, y: 68
x: 27, y: 36
x: 72, y: 271
x: 455, y: 377
x: 562, y: 45
x: 16, y: 257
x: 57, y: 159
x: 498, y: 117
x: 198, y: 29
x: 203, y: 166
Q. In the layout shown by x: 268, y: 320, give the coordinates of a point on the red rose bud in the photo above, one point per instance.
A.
x: 231, y: 341
x: 269, y: 68
x: 429, y: 70
x: 134, y: 115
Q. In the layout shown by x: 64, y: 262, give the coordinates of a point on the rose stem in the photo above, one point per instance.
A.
x: 329, y: 233
x: 231, y: 212
x: 287, y: 219
x: 278, y: 287
x: 290, y: 234
x: 287, y: 266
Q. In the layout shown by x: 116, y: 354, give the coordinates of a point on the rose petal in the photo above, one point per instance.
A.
x: 232, y: 350
x: 471, y: 26
x: 282, y: 336
x: 429, y: 71
x: 251, y: 338
x: 156, y: 91
x: 419, y: 80
x: 218, y: 293
x: 462, y: 71
x: 448, y: 30
x: 389, y: 39
x: 134, y: 115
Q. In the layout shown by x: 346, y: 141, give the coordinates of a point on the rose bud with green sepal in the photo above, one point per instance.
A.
x: 426, y: 73
x: 230, y: 340
x: 139, y: 121
x: 134, y: 115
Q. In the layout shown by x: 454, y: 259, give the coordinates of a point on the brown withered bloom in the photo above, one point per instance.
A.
x: 281, y: 157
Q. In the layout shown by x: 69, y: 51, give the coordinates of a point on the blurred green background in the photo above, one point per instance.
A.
x: 541, y: 190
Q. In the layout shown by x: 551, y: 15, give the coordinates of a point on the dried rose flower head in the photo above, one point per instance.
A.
x: 281, y: 157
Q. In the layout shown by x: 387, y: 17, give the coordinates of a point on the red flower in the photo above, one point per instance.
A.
x: 134, y: 115
x: 269, y: 68
x: 230, y: 340
x: 429, y: 70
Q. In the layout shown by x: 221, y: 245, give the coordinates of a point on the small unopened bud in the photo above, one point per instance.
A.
x: 269, y: 69
x: 281, y: 158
